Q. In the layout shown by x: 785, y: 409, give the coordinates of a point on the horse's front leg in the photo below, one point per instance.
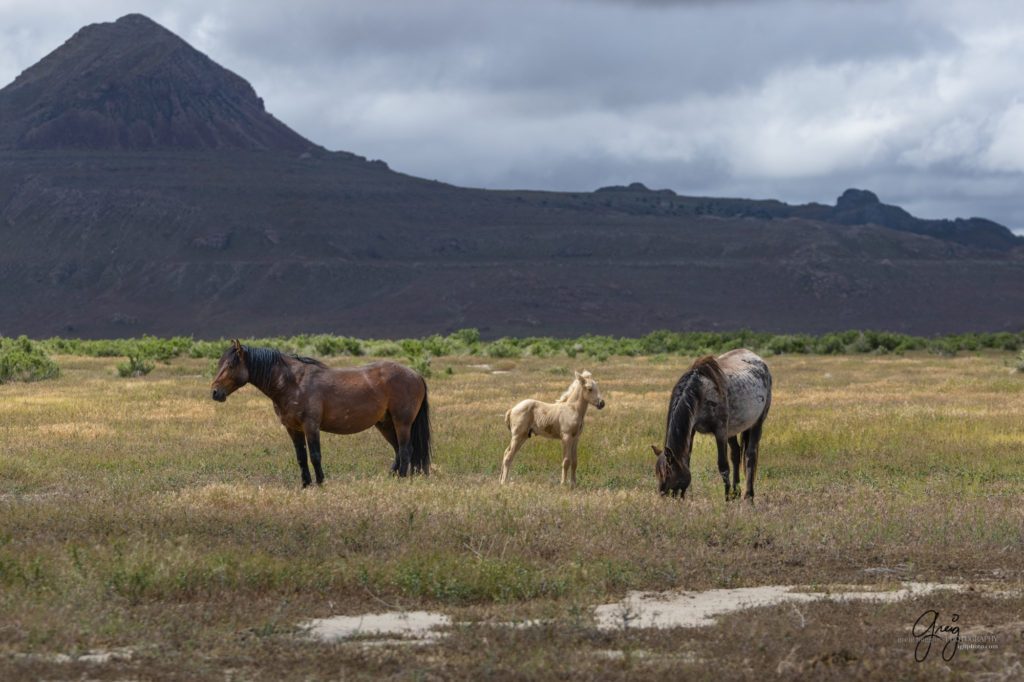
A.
x: 299, y: 441
x: 313, y: 439
x: 735, y: 452
x: 567, y: 460
x: 723, y: 461
x: 572, y: 461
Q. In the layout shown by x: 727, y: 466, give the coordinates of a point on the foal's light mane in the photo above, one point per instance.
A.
x: 574, y: 388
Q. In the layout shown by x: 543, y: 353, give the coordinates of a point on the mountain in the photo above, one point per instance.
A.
x: 134, y: 85
x: 144, y: 189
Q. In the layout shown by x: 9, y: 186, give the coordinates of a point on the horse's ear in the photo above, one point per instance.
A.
x: 579, y: 377
x: 239, y: 350
x: 657, y: 452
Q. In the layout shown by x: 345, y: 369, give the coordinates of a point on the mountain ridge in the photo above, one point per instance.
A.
x: 143, y: 189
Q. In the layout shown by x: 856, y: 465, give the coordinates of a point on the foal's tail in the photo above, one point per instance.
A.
x: 419, y: 438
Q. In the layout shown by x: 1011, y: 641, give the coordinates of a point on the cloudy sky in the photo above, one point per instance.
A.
x: 920, y: 101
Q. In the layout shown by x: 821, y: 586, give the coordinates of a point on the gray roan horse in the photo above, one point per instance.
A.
x: 727, y: 396
x: 310, y: 397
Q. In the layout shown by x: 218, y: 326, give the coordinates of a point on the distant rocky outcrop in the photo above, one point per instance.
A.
x: 861, y: 207
x: 853, y: 207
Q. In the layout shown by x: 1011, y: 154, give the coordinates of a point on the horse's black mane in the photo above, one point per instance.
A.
x: 683, y: 403
x: 260, y: 363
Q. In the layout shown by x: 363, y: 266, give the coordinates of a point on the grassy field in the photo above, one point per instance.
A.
x: 139, y: 517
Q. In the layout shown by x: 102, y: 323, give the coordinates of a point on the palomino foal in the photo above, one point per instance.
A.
x: 562, y: 419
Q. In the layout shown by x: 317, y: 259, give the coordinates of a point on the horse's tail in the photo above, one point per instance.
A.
x: 508, y: 419
x: 420, y: 438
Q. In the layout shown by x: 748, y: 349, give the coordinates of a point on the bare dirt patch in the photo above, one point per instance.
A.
x: 409, y: 625
x: 696, y: 609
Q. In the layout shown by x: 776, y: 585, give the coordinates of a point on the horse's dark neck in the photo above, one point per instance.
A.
x: 261, y: 363
x: 685, y: 403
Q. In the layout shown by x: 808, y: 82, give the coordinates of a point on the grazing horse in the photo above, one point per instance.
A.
x: 310, y: 397
x: 562, y: 419
x: 727, y: 396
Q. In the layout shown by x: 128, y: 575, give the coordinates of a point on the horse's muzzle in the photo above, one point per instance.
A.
x: 600, y: 405
x: 219, y: 395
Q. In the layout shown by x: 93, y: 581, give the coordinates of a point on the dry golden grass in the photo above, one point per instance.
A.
x: 138, y: 513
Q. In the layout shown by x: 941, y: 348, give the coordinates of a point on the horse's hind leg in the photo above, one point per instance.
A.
x: 313, y: 439
x: 735, y: 452
x: 510, y: 452
x: 402, y: 437
x: 387, y: 429
x: 751, y: 441
x: 299, y: 441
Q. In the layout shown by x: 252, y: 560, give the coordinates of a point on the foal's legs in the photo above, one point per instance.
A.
x: 566, y: 455
x: 735, y: 451
x: 572, y: 460
x: 569, y: 460
x: 299, y: 441
x: 510, y: 452
x: 751, y: 441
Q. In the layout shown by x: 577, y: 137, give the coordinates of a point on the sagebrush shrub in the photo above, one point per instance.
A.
x: 22, y: 360
x: 136, y: 366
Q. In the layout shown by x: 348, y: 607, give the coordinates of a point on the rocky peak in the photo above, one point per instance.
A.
x: 856, y: 198
x: 132, y: 84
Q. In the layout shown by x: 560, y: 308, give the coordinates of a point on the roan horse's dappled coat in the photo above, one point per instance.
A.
x: 310, y: 397
x: 727, y: 396
x: 562, y: 419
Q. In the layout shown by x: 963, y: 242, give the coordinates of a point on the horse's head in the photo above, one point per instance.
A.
x: 589, y: 387
x: 673, y: 474
x: 231, y: 374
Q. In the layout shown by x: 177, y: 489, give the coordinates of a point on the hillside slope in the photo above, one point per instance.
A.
x: 143, y: 189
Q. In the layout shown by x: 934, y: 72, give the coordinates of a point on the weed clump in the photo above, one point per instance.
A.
x: 137, y: 366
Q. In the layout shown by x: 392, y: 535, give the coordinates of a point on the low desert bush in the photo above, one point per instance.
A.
x: 23, y: 360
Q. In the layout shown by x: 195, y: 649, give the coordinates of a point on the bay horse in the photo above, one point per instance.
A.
x: 310, y: 397
x: 727, y: 396
x: 562, y: 419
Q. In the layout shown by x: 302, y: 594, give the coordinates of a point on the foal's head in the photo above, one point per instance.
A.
x: 231, y: 374
x: 589, y: 388
x: 673, y: 474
